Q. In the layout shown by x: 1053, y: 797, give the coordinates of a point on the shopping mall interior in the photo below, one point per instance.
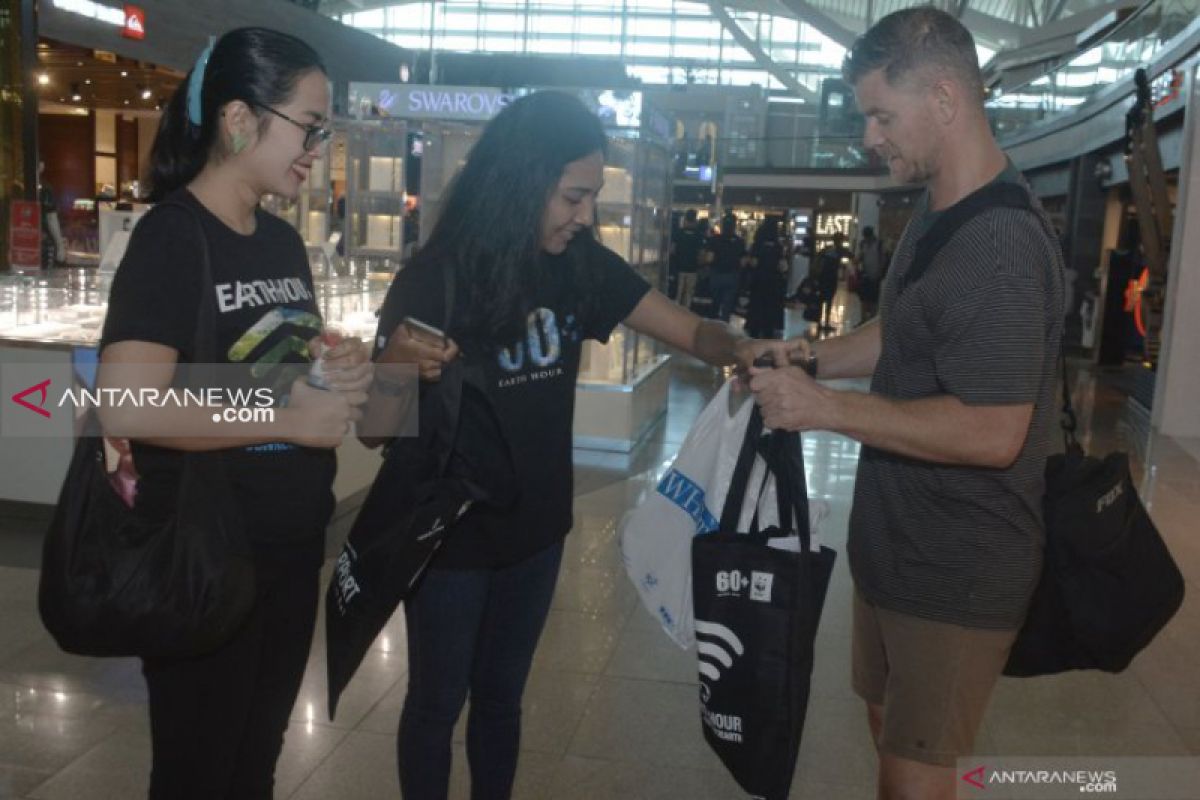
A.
x: 713, y: 107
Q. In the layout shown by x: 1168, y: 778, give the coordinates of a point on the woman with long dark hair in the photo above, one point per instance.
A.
x: 532, y: 283
x: 768, y: 282
x: 249, y: 119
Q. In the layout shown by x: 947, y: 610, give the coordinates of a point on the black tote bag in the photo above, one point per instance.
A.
x: 757, y: 609
x: 116, y: 583
x: 425, y: 485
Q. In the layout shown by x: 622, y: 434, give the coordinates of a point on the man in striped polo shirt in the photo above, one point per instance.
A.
x: 946, y: 530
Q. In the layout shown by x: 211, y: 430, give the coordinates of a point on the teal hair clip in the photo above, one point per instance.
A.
x: 196, y: 84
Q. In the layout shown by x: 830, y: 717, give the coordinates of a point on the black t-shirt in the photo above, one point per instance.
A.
x: 531, y: 385
x: 688, y: 243
x: 728, y: 252
x: 767, y: 255
x: 266, y: 313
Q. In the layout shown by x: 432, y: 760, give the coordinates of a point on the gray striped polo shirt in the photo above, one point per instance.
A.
x: 963, y: 544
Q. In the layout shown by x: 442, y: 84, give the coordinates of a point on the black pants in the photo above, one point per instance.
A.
x: 217, y: 722
x: 471, y: 630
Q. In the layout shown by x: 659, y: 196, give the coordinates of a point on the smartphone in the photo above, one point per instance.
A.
x: 424, y: 331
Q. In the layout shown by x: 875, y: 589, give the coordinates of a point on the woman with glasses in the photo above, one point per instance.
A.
x: 249, y: 120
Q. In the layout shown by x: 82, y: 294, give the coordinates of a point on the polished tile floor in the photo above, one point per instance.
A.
x: 611, y: 708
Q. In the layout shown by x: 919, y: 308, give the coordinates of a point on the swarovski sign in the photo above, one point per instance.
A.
x: 374, y: 100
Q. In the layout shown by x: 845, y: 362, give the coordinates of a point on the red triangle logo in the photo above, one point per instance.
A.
x: 42, y: 389
x: 975, y: 778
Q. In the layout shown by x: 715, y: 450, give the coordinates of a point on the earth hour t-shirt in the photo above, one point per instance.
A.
x: 266, y: 313
x: 531, y: 384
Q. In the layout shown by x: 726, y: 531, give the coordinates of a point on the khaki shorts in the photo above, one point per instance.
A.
x: 932, y: 679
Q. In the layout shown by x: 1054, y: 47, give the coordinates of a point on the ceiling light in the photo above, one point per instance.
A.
x: 124, y: 73
x: 88, y: 81
x: 147, y: 94
x: 44, y: 79
x: 75, y: 95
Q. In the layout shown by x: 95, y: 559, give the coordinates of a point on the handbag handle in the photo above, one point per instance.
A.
x: 792, y: 506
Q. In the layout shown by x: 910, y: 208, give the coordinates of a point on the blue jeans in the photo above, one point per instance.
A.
x: 724, y: 289
x: 471, y: 631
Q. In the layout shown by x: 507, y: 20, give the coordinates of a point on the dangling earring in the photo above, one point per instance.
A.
x: 238, y: 143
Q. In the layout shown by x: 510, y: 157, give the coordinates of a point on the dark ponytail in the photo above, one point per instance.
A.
x: 256, y: 65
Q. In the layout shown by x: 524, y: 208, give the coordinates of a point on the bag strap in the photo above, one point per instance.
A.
x: 993, y: 195
x: 740, y: 482
x: 450, y: 282
x: 791, y: 486
x: 1069, y: 422
x: 204, y: 342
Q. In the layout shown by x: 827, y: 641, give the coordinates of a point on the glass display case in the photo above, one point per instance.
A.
x: 444, y: 149
x: 633, y: 219
x: 57, y: 319
x: 67, y: 308
x: 375, y: 192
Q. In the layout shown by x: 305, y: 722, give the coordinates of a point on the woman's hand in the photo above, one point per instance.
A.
x: 404, y: 348
x: 347, y: 364
x: 321, y: 417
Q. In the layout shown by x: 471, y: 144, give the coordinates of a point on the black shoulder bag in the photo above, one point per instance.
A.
x: 114, y: 583
x: 1109, y: 584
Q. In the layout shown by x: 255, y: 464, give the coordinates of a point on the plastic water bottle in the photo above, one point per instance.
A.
x: 317, y: 376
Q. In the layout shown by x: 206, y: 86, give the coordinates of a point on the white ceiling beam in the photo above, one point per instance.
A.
x: 761, y: 56
x: 1056, y: 9
x: 806, y: 12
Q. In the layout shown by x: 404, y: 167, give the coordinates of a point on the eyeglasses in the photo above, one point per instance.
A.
x: 314, y: 134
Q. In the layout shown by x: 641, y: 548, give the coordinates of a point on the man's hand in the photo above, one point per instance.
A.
x: 790, y: 400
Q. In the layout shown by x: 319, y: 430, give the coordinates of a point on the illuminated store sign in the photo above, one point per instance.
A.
x: 86, y: 8
x: 130, y: 19
x: 616, y: 109
x: 829, y: 224
x: 135, y: 22
x: 368, y: 100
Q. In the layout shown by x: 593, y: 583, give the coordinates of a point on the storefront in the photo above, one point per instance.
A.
x: 98, y: 114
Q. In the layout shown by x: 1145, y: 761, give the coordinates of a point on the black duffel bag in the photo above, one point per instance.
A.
x: 757, y: 609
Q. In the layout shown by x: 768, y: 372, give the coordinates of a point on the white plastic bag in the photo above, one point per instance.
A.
x: 656, y: 536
